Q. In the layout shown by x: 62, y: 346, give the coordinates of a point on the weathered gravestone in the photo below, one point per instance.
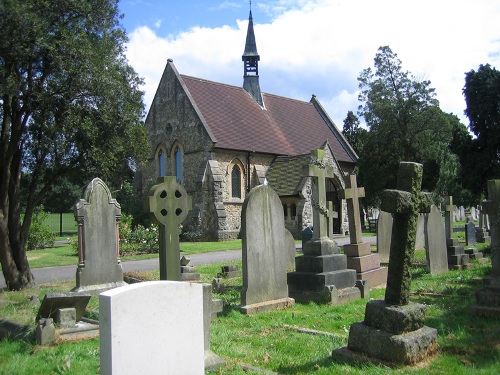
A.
x: 393, y: 330
x: 457, y: 258
x: 168, y: 205
x: 470, y: 233
x: 266, y: 252
x: 98, y: 215
x: 384, y: 230
x: 473, y: 213
x: 321, y: 272
x: 435, y: 238
x: 154, y: 327
x: 488, y: 299
x: 420, y: 234
x: 359, y: 254
x: 482, y: 231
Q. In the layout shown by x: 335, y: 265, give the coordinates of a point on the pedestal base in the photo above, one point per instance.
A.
x: 276, y: 304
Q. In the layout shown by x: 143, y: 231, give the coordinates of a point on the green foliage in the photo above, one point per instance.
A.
x: 482, y: 97
x: 130, y: 201
x: 405, y: 124
x: 354, y: 133
x: 138, y: 239
x: 40, y: 235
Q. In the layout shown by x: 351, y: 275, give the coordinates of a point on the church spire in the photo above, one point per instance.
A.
x: 250, y: 60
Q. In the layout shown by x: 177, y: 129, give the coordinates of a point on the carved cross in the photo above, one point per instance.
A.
x: 405, y: 204
x: 319, y: 171
x: 492, y: 208
x: 351, y: 194
x: 449, y: 207
x: 168, y: 205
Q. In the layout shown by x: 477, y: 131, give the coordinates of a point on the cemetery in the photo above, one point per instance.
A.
x: 232, y: 320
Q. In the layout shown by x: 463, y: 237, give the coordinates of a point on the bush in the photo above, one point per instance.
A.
x: 40, y: 235
x: 139, y: 239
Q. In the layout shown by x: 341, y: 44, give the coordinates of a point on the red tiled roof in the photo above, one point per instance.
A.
x: 285, y: 127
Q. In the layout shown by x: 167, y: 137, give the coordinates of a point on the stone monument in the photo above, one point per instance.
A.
x: 168, y: 205
x: 265, y: 252
x: 384, y: 230
x: 321, y: 272
x: 98, y: 214
x: 393, y: 331
x: 488, y: 299
x: 435, y: 242
x: 359, y: 254
x: 457, y: 258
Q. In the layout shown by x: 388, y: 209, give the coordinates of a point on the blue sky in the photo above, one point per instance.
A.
x: 315, y: 46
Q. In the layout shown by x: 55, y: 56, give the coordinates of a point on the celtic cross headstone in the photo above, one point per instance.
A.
x: 319, y: 171
x: 168, y: 205
x: 405, y: 204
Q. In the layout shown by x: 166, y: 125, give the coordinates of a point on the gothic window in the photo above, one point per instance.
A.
x: 293, y: 209
x: 161, y: 161
x: 178, y: 164
x: 236, y: 182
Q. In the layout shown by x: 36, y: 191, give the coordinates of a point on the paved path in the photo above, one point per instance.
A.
x: 50, y: 274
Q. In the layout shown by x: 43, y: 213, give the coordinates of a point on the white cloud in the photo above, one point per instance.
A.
x: 321, y: 47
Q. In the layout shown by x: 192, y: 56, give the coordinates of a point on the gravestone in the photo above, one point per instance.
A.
x: 420, y: 237
x: 168, y: 205
x: 470, y: 234
x: 359, y: 255
x: 462, y: 213
x: 52, y: 302
x: 393, y: 329
x: 321, y: 272
x: 154, y: 327
x: 384, y: 230
x: 435, y: 237
x: 488, y: 299
x: 265, y: 252
x: 188, y: 272
x: 457, y: 258
x: 98, y: 214
x: 473, y: 213
x: 482, y: 231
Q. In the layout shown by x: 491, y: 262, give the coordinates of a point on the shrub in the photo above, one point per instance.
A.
x: 40, y: 235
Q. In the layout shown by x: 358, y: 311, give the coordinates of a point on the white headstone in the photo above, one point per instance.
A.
x: 153, y: 327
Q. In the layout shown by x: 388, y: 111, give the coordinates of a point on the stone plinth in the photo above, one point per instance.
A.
x: 395, y: 335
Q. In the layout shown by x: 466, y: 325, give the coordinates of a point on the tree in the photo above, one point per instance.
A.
x: 70, y: 106
x: 354, y: 133
x: 482, y: 97
x: 405, y: 124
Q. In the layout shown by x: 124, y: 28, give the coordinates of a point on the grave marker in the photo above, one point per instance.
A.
x: 435, y: 237
x: 98, y: 215
x: 457, y: 258
x: 168, y: 205
x: 384, y: 231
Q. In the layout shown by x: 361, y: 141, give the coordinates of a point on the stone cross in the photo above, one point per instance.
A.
x: 449, y: 207
x: 168, y: 205
x: 492, y: 208
x: 405, y: 204
x: 331, y: 215
x: 351, y: 194
x: 319, y: 171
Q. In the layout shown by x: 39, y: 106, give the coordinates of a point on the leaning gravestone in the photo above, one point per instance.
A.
x: 393, y: 330
x: 384, y: 230
x: 266, y: 249
x: 359, y: 254
x: 488, y: 299
x: 435, y: 238
x: 168, y: 205
x: 321, y: 272
x: 97, y: 215
x: 154, y: 327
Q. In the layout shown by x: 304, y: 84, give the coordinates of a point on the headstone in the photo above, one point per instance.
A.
x: 359, y: 255
x: 53, y: 302
x: 482, y: 231
x: 420, y: 237
x: 154, y: 327
x: 393, y: 329
x: 473, y: 213
x: 168, y: 205
x: 437, y: 259
x: 321, y: 272
x: 462, y: 213
x: 457, y: 258
x: 210, y: 309
x: 384, y: 231
x: 265, y: 252
x: 470, y: 234
x: 98, y: 215
x: 488, y: 299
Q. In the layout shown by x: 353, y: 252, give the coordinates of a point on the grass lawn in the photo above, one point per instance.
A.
x: 273, y: 341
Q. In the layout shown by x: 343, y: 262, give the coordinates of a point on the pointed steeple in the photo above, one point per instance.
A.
x: 250, y: 60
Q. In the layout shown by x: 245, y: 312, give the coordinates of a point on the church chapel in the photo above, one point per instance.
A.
x: 220, y: 141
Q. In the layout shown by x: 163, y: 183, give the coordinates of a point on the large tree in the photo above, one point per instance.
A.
x: 70, y: 106
x: 405, y: 124
x: 482, y: 97
x: 354, y: 133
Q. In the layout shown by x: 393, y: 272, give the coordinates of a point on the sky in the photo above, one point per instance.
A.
x: 315, y: 47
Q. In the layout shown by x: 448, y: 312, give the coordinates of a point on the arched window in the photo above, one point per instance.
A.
x: 236, y: 182
x: 178, y: 164
x: 161, y: 163
x: 293, y: 209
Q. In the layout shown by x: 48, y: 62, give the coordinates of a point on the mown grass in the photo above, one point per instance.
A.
x: 271, y: 341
